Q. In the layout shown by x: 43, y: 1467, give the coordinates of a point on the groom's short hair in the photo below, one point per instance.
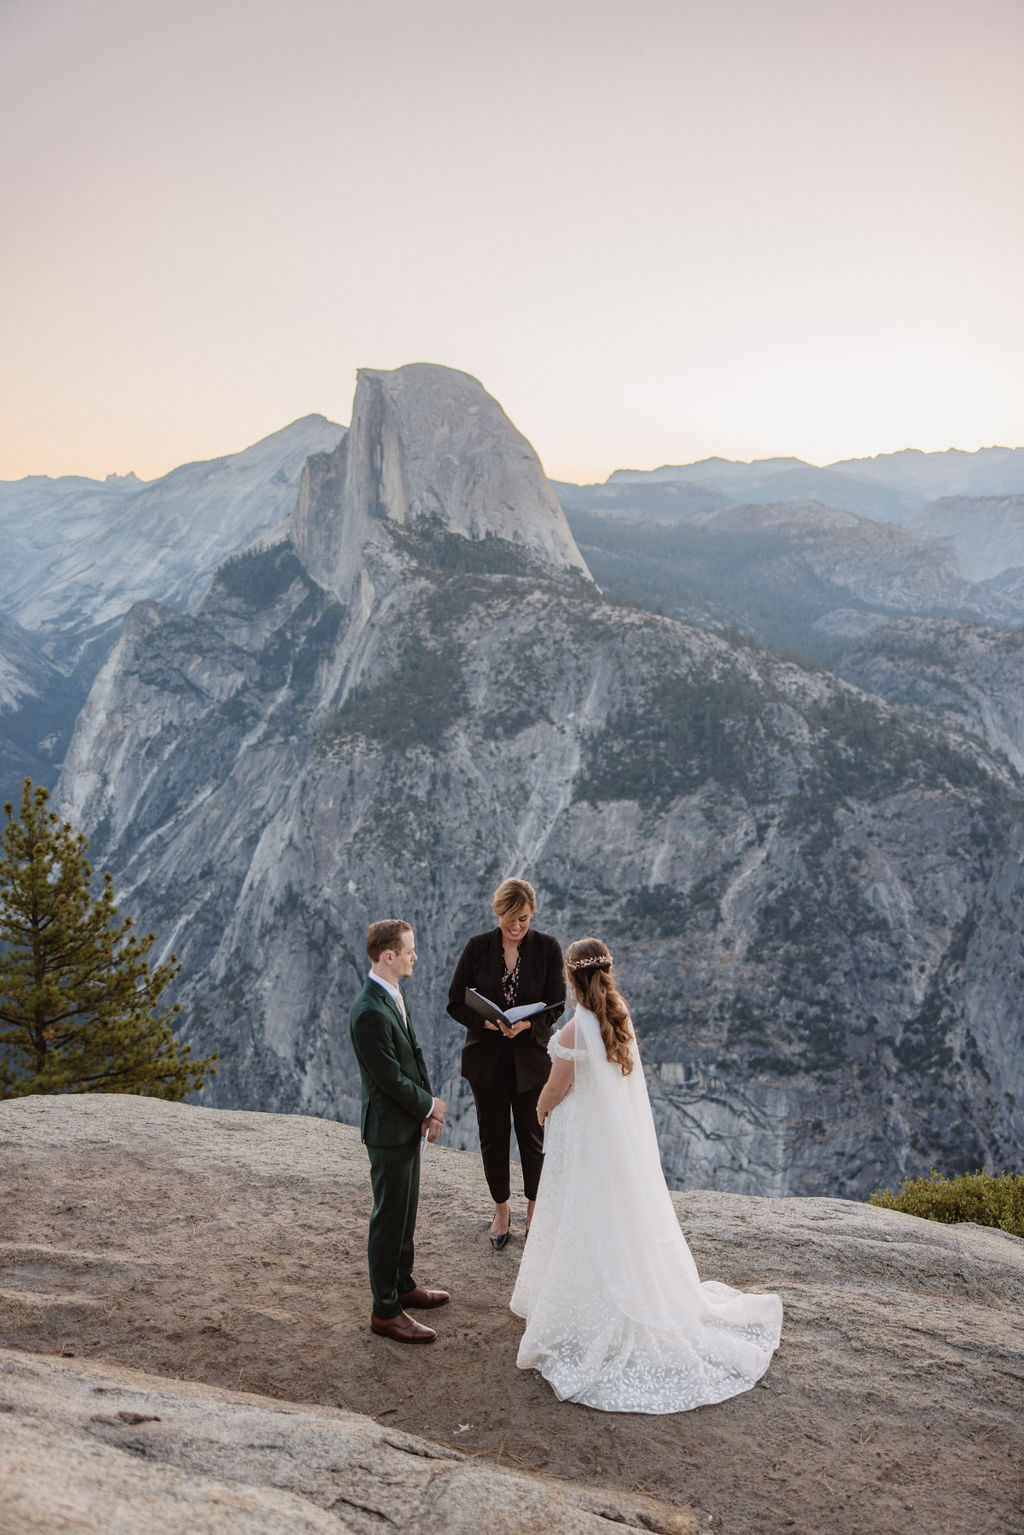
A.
x: 386, y: 934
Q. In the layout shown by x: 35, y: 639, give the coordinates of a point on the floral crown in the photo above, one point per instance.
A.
x: 601, y: 961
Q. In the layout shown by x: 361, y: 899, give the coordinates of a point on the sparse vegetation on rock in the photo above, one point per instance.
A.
x: 984, y: 1199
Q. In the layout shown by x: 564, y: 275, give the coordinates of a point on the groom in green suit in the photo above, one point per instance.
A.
x: 398, y: 1112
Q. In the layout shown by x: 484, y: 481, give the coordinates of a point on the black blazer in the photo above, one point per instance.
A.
x: 486, y: 1054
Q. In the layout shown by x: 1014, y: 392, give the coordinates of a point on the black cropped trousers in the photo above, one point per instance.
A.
x: 497, y: 1109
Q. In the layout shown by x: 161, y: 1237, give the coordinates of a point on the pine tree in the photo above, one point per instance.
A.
x: 77, y: 997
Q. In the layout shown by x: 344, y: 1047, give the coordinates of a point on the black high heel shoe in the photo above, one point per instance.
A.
x: 499, y: 1242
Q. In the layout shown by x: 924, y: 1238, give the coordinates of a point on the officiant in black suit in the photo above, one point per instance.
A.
x: 399, y: 1111
x: 511, y: 965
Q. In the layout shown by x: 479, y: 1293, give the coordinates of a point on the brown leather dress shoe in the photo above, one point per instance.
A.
x: 424, y: 1300
x: 402, y: 1328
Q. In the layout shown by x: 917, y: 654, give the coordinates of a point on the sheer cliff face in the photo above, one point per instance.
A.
x: 968, y: 675
x: 814, y: 904
x: 430, y: 451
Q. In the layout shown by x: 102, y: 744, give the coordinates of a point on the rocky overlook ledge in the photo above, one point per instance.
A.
x: 183, y: 1321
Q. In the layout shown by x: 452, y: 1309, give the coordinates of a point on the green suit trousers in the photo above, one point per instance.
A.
x: 395, y: 1179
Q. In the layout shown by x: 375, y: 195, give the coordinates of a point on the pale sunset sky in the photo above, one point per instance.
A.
x: 655, y: 231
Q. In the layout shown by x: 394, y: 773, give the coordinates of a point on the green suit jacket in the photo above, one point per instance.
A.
x: 396, y: 1096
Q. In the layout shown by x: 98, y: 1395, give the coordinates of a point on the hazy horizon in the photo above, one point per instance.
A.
x: 629, y: 468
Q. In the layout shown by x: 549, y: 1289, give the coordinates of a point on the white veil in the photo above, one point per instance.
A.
x: 628, y: 1219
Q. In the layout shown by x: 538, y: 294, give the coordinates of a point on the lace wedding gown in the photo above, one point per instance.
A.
x: 616, y: 1314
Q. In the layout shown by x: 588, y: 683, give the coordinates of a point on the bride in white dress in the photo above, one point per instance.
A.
x: 616, y: 1314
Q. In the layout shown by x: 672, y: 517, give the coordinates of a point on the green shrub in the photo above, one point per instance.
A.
x: 986, y: 1199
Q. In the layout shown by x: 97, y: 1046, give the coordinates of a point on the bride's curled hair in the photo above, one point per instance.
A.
x: 588, y: 965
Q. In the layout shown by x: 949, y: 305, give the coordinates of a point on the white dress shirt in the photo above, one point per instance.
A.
x: 395, y: 993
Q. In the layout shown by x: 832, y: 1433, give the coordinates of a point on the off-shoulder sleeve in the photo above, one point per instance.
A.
x: 561, y: 1052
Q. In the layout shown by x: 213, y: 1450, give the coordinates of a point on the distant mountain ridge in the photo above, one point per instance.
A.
x: 80, y: 552
x: 807, y: 558
x: 797, y: 575
x: 889, y: 487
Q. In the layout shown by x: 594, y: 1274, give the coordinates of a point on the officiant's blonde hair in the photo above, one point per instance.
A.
x: 511, y: 896
x: 588, y: 966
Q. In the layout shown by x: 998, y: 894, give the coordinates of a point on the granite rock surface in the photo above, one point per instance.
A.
x: 185, y: 1345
